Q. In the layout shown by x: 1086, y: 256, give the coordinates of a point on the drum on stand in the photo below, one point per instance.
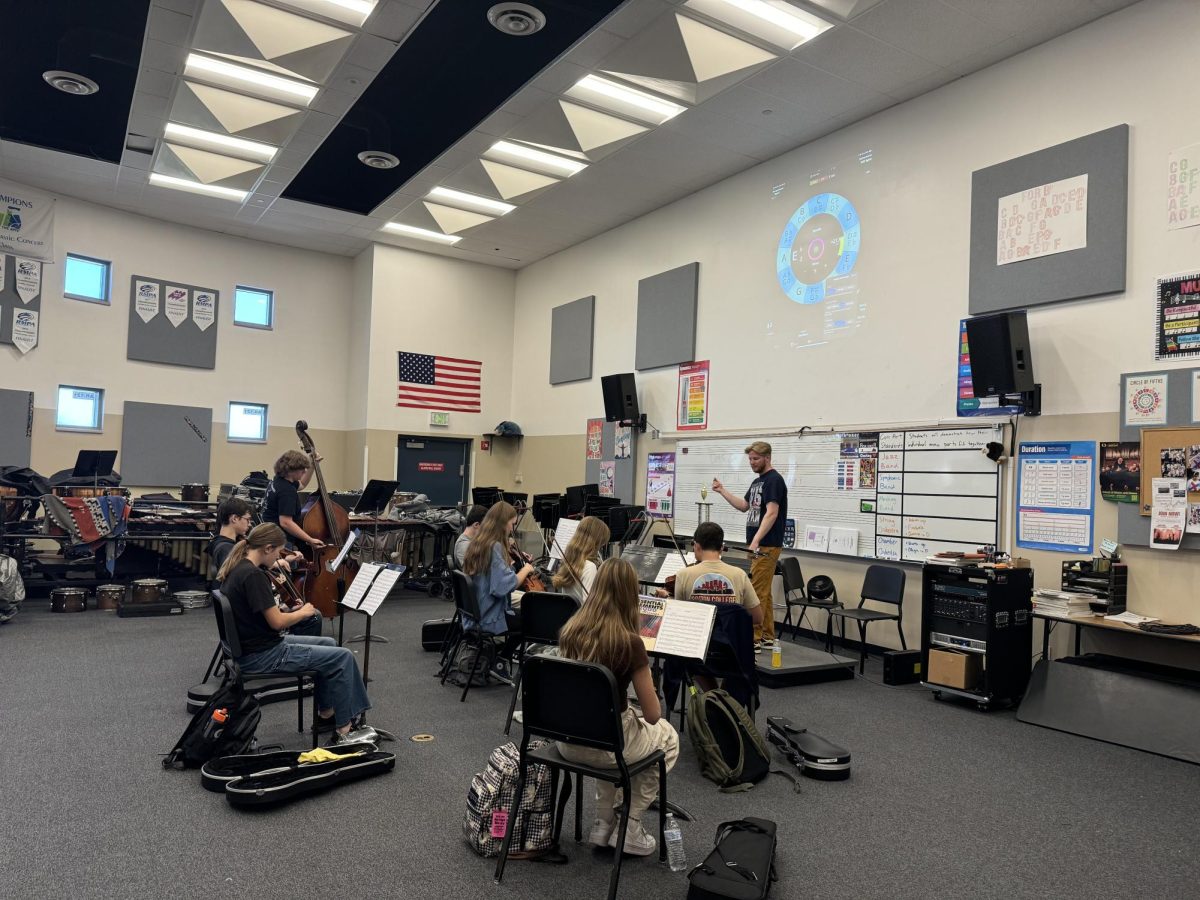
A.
x: 75, y: 490
x: 194, y: 493
x: 193, y: 599
x: 109, y: 596
x: 149, y: 590
x: 68, y: 599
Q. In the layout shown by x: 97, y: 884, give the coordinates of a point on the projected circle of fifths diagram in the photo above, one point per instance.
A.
x: 821, y: 241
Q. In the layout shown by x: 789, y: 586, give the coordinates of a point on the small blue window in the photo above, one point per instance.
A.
x: 253, y: 307
x: 79, y: 408
x: 86, y: 278
x: 247, y: 423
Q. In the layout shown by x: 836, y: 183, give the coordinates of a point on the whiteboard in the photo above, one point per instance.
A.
x: 906, y: 493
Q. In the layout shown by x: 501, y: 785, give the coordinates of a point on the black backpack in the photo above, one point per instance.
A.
x: 207, y: 738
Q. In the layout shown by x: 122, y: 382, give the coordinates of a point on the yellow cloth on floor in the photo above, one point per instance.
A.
x: 320, y: 754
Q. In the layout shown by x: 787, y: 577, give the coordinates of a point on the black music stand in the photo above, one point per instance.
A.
x: 94, y: 464
x: 374, y: 499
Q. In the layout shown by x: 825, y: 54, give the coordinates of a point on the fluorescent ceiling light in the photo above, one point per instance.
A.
x: 776, y: 21
x: 182, y: 184
x: 470, y: 201
x: 352, y: 12
x: 255, y: 81
x: 625, y: 100
x: 537, y: 160
x: 423, y: 233
x: 212, y: 140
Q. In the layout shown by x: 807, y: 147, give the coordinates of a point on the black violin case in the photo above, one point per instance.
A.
x: 812, y: 754
x: 267, y: 779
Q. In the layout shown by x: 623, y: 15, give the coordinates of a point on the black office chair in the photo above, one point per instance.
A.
x: 543, y: 614
x: 231, y: 648
x: 577, y: 703
x: 883, y: 584
x: 466, y: 607
x: 730, y: 657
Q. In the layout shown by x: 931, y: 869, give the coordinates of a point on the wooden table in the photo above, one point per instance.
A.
x: 1081, y: 622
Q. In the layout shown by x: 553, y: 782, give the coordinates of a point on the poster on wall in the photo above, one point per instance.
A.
x: 968, y: 404
x: 623, y: 442
x: 692, y: 397
x: 25, y: 329
x: 1168, y: 513
x: 29, y: 278
x: 1177, y: 318
x: 1120, y: 471
x: 3, y: 260
x: 660, y: 485
x: 1196, y: 397
x: 1183, y: 187
x: 595, y: 438
x: 177, y: 304
x: 26, y: 222
x: 1056, y: 496
x: 1041, y: 221
x: 146, y: 299
x: 204, y: 309
x: 1193, y: 519
x: 1145, y: 400
x: 608, y: 478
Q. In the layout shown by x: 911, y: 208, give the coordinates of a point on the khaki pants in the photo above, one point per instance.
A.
x: 762, y: 576
x: 641, y: 739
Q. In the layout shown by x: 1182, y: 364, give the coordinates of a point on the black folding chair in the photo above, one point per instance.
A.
x: 882, y: 584
x: 576, y: 703
x: 543, y: 614
x: 466, y: 605
x: 793, y: 582
x: 455, y: 629
x: 231, y: 649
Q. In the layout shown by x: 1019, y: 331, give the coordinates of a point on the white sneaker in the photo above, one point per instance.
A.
x: 601, y: 832
x: 638, y: 842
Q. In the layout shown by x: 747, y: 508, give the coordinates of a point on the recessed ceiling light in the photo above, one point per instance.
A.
x: 352, y: 12
x: 537, y: 160
x: 264, y: 84
x: 625, y: 100
x: 423, y: 233
x: 212, y: 140
x: 70, y: 82
x: 195, y: 187
x: 471, y: 201
x: 516, y: 19
x: 378, y: 159
x: 775, y: 21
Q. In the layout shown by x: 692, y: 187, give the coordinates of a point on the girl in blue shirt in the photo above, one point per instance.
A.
x: 488, y: 564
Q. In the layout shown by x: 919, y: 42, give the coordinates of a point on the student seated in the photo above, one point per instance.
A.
x: 605, y: 631
x: 488, y: 564
x: 470, y: 528
x: 341, y: 694
x: 581, y: 557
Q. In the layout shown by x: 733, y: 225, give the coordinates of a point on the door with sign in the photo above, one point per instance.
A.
x: 436, y: 467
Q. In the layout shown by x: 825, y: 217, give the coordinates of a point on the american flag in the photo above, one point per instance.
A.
x: 439, y: 382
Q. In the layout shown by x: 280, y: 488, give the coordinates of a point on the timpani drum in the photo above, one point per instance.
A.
x: 68, y: 600
x: 149, y: 590
x: 194, y: 493
x: 193, y: 599
x: 75, y: 490
x: 109, y: 596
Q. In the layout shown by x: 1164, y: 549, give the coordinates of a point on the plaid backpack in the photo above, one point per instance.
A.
x: 491, y: 797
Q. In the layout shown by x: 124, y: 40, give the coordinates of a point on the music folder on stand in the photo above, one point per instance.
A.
x: 366, y: 594
x: 374, y: 499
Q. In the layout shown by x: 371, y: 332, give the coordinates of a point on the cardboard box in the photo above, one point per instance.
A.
x: 955, y: 669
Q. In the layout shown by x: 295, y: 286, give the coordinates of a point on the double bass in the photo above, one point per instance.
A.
x: 328, y: 522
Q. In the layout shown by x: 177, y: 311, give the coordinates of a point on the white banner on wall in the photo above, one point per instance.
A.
x: 26, y: 222
x: 177, y: 304
x: 25, y: 329
x: 1183, y: 187
x: 204, y: 309
x: 1044, y: 220
x: 146, y: 299
x: 29, y: 278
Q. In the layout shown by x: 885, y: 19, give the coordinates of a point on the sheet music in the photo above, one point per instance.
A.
x: 562, y: 537
x: 672, y: 564
x: 676, y: 627
x: 361, y: 583
x: 380, y: 588
x: 341, y: 557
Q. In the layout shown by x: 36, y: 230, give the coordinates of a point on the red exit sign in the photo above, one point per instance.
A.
x: 431, y: 467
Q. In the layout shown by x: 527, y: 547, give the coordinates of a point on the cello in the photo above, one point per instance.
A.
x: 328, y: 522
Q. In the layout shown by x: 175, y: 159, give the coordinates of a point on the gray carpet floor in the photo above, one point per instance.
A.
x: 943, y: 798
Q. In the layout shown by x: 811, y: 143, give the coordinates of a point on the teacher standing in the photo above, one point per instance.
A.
x: 765, y: 506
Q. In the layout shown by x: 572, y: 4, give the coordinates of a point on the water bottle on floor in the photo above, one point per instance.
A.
x: 676, y: 857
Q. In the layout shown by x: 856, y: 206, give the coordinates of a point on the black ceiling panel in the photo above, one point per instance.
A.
x: 446, y: 78
x: 101, y: 39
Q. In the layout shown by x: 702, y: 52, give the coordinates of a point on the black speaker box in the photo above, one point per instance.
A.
x: 1000, y: 359
x: 901, y: 666
x: 620, y: 397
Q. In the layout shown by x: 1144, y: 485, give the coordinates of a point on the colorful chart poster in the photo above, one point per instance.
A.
x: 1177, y: 318
x: 968, y: 403
x: 1120, y: 471
x: 608, y: 478
x: 1145, y: 400
x: 660, y: 485
x: 1056, y: 496
x: 692, y: 397
x: 1168, y: 513
x: 595, y: 438
x: 623, y: 442
x: 1041, y: 221
x: 1183, y: 187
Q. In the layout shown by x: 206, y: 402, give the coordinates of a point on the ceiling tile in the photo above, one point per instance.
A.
x: 392, y: 21
x: 163, y: 57
x: 860, y: 58
x: 633, y: 18
x: 816, y: 93
x: 746, y: 105
x: 158, y: 83
x: 929, y: 28
x: 169, y: 26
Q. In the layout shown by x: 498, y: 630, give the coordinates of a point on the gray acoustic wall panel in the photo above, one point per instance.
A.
x: 16, y: 427
x: 624, y: 469
x: 571, y: 329
x: 1098, y: 268
x: 666, y: 318
x: 164, y: 445
x: 159, y: 340
x: 11, y: 303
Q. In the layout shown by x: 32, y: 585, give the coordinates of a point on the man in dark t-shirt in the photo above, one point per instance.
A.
x: 293, y: 470
x: 765, y: 505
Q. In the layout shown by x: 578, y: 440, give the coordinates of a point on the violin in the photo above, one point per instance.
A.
x: 287, y: 596
x: 521, y: 559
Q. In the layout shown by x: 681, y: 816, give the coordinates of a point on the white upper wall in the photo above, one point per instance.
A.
x: 913, y: 267
x: 298, y: 368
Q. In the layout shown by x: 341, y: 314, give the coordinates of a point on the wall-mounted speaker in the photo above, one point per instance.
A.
x: 620, y: 397
x: 1000, y: 359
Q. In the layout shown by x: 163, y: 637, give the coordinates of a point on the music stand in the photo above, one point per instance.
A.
x: 374, y: 499
x: 94, y: 464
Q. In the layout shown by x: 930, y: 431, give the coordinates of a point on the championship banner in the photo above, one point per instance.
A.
x: 29, y: 279
x: 204, y: 309
x: 25, y: 329
x: 146, y: 299
x: 26, y: 222
x: 177, y: 304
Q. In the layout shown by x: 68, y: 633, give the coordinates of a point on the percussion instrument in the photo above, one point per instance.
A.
x: 109, y: 596
x: 193, y: 599
x: 10, y: 506
x: 66, y: 599
x: 75, y: 490
x: 194, y: 493
x: 149, y: 590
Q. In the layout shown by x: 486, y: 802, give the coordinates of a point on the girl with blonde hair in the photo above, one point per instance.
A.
x: 488, y: 564
x: 581, y: 558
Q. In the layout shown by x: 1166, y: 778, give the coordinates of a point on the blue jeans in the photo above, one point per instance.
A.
x: 339, y: 684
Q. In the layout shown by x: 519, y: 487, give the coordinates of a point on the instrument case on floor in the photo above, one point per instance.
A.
x: 741, y: 866
x: 154, y: 608
x: 285, y: 784
x: 434, y: 632
x: 810, y: 753
x: 217, y: 773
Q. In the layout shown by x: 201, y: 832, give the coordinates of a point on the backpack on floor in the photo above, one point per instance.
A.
x: 728, y: 744
x: 741, y: 865
x: 207, y: 737
x: 490, y: 798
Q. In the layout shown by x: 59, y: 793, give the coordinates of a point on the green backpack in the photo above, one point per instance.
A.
x: 728, y: 744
